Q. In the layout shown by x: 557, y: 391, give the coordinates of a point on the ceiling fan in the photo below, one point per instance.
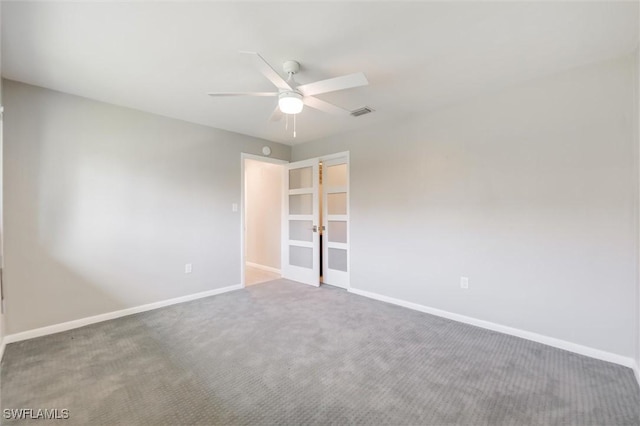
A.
x: 293, y: 97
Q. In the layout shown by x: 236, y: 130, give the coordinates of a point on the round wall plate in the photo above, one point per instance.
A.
x: 266, y: 150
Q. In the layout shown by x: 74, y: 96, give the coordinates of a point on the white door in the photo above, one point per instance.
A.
x: 335, y: 219
x: 300, y: 238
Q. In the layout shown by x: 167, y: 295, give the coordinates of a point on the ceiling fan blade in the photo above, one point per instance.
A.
x: 276, y: 115
x: 269, y: 72
x: 243, y: 94
x: 324, y: 106
x: 331, y: 85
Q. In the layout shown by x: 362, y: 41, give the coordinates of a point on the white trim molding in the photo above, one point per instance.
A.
x: 636, y: 370
x: 535, y: 337
x: 263, y: 267
x: 2, y: 345
x: 70, y: 325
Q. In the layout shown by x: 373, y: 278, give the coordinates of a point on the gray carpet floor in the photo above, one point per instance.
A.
x: 286, y: 353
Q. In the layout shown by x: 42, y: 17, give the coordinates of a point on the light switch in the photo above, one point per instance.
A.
x: 464, y: 282
x: 234, y: 207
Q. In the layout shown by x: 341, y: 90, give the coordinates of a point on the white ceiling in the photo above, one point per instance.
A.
x: 163, y: 57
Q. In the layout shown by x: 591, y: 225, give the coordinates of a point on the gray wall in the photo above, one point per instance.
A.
x: 636, y: 113
x: 105, y: 205
x: 531, y: 193
x: 1, y: 189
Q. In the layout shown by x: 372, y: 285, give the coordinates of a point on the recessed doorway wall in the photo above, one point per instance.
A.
x: 262, y: 209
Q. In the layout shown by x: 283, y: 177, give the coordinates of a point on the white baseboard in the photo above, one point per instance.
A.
x: 636, y: 369
x: 550, y: 341
x: 263, y: 267
x: 69, y: 325
x: 2, y: 345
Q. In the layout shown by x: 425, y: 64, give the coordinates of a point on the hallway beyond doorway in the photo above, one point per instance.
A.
x: 253, y: 275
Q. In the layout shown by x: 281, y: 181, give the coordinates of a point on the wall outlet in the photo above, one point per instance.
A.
x: 464, y: 282
x: 187, y: 268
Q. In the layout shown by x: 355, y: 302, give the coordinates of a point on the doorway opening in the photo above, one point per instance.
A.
x: 262, y: 210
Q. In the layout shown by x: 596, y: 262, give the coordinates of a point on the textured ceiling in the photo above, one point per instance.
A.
x: 163, y: 57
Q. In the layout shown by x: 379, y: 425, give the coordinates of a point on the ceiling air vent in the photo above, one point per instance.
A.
x: 361, y: 111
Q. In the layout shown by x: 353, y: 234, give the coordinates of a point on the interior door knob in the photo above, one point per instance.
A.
x: 315, y: 228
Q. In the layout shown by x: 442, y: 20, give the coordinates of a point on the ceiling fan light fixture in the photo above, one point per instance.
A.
x: 290, y: 102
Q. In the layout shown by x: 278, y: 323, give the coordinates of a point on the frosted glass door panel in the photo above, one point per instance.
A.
x: 337, y: 231
x: 335, y: 219
x: 301, y: 257
x: 300, y: 251
x: 301, y: 230
x: 301, y: 204
x: 337, y: 203
x: 301, y: 178
x: 337, y: 175
x: 338, y: 259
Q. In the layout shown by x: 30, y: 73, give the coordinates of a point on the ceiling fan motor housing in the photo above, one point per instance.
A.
x: 291, y: 67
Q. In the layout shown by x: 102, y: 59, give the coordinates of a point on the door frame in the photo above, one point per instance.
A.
x: 245, y: 156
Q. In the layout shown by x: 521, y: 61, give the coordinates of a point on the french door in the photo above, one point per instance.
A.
x: 301, y: 213
x: 335, y: 222
x: 304, y: 224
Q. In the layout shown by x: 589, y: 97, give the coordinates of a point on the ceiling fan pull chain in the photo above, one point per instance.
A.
x: 286, y: 121
x: 294, y: 126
